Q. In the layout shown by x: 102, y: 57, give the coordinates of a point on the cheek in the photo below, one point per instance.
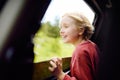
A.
x: 73, y: 35
x: 74, y: 32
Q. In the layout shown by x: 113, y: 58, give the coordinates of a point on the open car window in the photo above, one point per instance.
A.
x: 47, y: 41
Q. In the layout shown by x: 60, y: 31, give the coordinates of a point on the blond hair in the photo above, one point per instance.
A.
x: 82, y: 22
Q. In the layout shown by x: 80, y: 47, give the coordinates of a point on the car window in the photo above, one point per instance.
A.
x: 47, y: 41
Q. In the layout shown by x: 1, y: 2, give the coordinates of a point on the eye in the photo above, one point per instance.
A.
x: 66, y: 26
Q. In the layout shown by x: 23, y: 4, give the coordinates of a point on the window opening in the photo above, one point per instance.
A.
x: 47, y: 41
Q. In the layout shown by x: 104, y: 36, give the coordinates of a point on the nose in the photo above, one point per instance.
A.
x: 61, y: 31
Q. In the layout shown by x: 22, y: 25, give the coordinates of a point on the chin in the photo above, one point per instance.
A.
x: 66, y: 42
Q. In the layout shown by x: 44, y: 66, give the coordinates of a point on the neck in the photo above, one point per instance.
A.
x: 79, y: 42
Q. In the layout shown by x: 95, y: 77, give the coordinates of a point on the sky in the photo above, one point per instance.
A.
x: 58, y: 7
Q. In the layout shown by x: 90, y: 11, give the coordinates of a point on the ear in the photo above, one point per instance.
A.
x: 81, y: 31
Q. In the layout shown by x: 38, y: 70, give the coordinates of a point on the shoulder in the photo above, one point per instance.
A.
x: 86, y: 45
x: 86, y: 48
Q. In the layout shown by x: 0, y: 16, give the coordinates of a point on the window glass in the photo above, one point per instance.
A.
x: 47, y: 41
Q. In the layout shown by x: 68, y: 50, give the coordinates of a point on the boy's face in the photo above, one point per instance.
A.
x: 68, y: 30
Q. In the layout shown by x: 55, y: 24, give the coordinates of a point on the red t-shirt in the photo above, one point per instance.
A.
x: 84, y: 62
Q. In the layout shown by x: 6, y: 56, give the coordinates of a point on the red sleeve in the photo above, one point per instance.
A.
x: 67, y: 77
x: 83, y: 67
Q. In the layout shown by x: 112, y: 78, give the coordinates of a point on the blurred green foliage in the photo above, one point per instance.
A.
x: 48, y: 44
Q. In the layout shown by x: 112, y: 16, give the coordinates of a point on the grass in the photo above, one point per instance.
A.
x: 46, y: 48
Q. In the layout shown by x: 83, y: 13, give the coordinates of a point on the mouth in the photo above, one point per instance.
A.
x: 64, y: 36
